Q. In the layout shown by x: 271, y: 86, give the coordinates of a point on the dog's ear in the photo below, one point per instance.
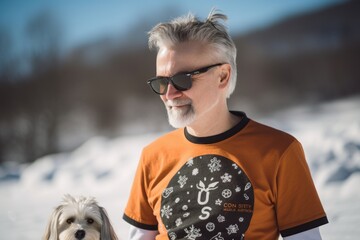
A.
x: 107, y: 231
x: 51, y: 232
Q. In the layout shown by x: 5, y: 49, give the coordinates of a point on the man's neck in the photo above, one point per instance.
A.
x: 218, y: 123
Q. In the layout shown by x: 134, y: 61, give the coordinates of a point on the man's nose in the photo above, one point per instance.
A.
x: 172, y: 92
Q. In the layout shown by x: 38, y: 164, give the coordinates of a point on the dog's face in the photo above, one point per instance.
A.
x: 79, y: 219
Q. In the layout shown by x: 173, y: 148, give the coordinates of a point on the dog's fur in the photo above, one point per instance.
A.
x: 79, y: 218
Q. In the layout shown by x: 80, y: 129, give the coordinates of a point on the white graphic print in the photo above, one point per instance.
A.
x: 210, y: 197
x: 217, y: 237
x: 226, y: 178
x: 182, y: 181
x: 247, y: 186
x: 166, y: 211
x: 201, y: 186
x: 172, y: 236
x: 246, y: 196
x: 178, y: 222
x: 221, y: 218
x: 226, y: 193
x: 210, y: 226
x: 214, y: 165
x: 205, y: 213
x: 190, y: 162
x: 167, y: 192
x: 232, y: 229
x: 192, y: 233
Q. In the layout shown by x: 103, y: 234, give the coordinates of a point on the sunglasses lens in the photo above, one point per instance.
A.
x: 182, y: 82
x: 159, y: 85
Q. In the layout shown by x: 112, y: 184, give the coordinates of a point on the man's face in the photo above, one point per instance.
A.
x: 190, y: 107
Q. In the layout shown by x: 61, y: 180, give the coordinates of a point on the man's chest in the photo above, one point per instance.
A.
x: 208, y: 197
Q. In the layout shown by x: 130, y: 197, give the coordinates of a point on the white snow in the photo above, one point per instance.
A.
x: 104, y: 168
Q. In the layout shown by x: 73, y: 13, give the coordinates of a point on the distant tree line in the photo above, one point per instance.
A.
x: 100, y: 88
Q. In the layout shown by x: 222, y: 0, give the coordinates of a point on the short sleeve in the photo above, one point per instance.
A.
x: 138, y: 212
x: 298, y: 206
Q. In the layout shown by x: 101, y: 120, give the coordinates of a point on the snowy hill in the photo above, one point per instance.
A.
x: 104, y: 168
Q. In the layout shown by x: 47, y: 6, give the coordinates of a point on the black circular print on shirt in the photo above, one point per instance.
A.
x: 210, y: 197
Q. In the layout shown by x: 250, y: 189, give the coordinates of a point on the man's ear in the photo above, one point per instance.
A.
x: 225, y: 75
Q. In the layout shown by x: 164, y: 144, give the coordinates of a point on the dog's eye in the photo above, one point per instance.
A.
x: 90, y: 221
x: 70, y: 220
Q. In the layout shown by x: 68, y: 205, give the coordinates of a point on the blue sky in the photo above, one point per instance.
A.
x: 86, y: 20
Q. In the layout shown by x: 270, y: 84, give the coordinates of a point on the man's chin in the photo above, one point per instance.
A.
x: 180, y: 120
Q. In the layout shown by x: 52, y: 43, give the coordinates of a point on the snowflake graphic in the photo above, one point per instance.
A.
x: 218, y: 202
x: 221, y: 218
x: 190, y: 162
x: 182, y: 181
x: 195, y: 171
x: 232, y: 229
x: 178, y: 222
x: 167, y: 211
x: 214, y: 165
x: 192, y: 233
x: 226, y: 178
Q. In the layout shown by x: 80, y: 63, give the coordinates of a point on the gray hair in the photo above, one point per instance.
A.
x: 190, y: 28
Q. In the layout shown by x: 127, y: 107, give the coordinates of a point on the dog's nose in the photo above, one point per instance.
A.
x: 80, y: 234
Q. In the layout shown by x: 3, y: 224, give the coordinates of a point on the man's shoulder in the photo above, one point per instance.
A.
x: 267, y: 132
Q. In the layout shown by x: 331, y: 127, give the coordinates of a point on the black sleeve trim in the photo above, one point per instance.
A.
x: 304, y: 227
x: 139, y: 225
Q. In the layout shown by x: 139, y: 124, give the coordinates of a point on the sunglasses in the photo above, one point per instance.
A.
x: 180, y: 81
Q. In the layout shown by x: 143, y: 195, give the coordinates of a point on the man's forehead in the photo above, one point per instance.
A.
x: 185, y: 51
x: 188, y: 47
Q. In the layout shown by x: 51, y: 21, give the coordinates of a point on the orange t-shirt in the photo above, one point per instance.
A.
x: 250, y: 182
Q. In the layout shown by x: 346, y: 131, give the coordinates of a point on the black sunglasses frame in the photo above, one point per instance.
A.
x: 186, y: 74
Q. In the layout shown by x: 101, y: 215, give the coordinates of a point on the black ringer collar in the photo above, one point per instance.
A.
x: 222, y: 136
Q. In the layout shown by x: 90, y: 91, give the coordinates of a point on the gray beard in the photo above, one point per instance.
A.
x: 183, y: 117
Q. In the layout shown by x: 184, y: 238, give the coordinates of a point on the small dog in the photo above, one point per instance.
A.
x: 79, y: 219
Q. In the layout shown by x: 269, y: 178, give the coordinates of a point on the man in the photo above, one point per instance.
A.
x: 220, y: 175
